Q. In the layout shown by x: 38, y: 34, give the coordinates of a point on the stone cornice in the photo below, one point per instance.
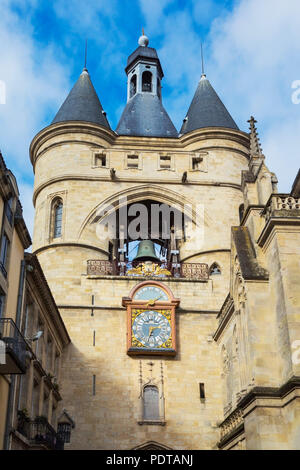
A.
x: 249, y: 209
x: 270, y: 392
x: 224, y: 316
x: 220, y: 250
x: 274, y: 222
x: 112, y: 138
x: 74, y: 244
x: 61, y: 128
x: 253, y: 399
x: 132, y: 179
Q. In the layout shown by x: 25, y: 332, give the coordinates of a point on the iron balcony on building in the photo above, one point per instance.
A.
x: 193, y: 271
x: 39, y: 433
x: 12, y: 348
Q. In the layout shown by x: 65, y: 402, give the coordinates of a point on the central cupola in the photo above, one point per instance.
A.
x: 144, y: 114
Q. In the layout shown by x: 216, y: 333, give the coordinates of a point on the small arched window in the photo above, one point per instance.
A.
x: 151, y: 403
x: 214, y: 269
x: 132, y: 91
x: 57, y: 218
x: 147, y: 81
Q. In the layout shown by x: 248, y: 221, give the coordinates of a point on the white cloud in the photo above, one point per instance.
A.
x: 153, y: 12
x: 254, y: 60
x: 251, y: 59
x: 35, y: 85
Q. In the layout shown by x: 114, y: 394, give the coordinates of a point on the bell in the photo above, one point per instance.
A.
x: 146, y: 252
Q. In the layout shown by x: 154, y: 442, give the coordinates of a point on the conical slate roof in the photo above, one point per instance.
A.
x: 144, y: 115
x: 82, y: 104
x: 206, y: 110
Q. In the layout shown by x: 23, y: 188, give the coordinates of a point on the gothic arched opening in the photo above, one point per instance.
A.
x: 132, y: 86
x: 147, y: 81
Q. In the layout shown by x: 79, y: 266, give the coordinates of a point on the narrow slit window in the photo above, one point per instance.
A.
x: 58, y: 213
x: 202, y: 391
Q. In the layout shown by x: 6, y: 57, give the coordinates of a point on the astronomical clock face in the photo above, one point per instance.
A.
x: 151, y: 321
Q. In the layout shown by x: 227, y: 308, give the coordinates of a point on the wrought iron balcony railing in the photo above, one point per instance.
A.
x: 13, y: 348
x: 40, y: 433
x: 194, y: 271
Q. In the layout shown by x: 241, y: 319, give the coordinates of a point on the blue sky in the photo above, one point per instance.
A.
x: 251, y: 52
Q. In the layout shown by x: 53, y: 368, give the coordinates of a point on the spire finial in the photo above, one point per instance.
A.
x: 143, y: 40
x: 85, y: 56
x: 255, y: 146
x: 203, y: 75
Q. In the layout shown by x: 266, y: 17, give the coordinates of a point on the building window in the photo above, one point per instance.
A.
x: 132, y: 161
x: 8, y: 210
x: 57, y: 218
x: 4, y: 254
x: 100, y: 160
x: 196, y: 162
x: 2, y: 302
x: 151, y: 403
x: 165, y: 162
x: 64, y: 432
x: 132, y: 91
x: 214, y: 269
x: 147, y: 82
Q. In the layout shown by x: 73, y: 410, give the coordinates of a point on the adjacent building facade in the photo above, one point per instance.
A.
x: 174, y: 264
x: 32, y: 338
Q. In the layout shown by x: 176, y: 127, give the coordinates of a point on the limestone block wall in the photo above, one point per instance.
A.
x: 109, y: 417
x: 281, y: 252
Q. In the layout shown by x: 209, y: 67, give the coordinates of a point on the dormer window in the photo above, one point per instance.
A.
x: 147, y: 82
x: 132, y: 86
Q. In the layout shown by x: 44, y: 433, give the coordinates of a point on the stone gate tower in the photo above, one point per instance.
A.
x: 145, y: 365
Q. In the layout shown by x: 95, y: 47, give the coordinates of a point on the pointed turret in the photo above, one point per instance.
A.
x: 82, y: 104
x: 144, y: 114
x: 206, y: 110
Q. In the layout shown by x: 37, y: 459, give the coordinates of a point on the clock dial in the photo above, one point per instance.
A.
x: 151, y: 329
x: 151, y: 292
